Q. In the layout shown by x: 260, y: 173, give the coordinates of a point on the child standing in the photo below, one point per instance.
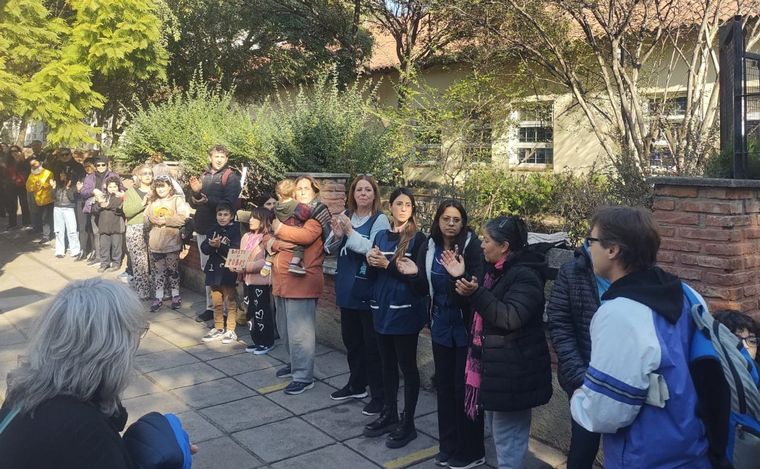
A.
x: 110, y: 224
x: 64, y: 216
x: 222, y: 237
x: 258, y: 288
x: 165, y: 215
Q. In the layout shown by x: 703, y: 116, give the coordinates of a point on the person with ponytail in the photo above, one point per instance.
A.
x: 399, y: 311
x: 508, y: 368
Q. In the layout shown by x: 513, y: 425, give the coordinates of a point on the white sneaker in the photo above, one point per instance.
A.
x: 229, y: 337
x: 213, y: 334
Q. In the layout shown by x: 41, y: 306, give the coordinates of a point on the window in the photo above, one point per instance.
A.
x: 479, y: 139
x: 534, y: 127
x: 667, y: 115
x: 427, y: 134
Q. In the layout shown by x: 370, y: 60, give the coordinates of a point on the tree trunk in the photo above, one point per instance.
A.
x: 21, y: 137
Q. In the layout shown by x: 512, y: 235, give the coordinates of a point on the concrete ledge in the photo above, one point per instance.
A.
x: 705, y: 182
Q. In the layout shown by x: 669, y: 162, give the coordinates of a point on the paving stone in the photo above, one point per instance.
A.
x: 139, y: 385
x: 341, y: 422
x: 184, y: 339
x: 152, y: 343
x: 334, y: 456
x: 9, y: 335
x: 223, y: 453
x: 338, y: 381
x: 185, y: 375
x: 546, y: 454
x: 178, y: 325
x: 212, y: 350
x: 427, y: 424
x: 165, y: 314
x: 284, y: 439
x: 164, y: 359
x: 213, y: 393
x: 421, y: 448
x: 262, y: 380
x: 243, y: 363
x: 330, y: 364
x: 198, y: 427
x: 245, y: 413
x: 159, y: 402
x: 280, y: 352
x: 316, y: 398
x: 10, y: 353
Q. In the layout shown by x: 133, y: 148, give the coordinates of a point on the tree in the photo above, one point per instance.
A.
x: 49, y: 59
x: 258, y: 45
x: 618, y: 60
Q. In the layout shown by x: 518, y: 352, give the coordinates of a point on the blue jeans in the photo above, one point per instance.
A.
x: 65, y: 226
x: 296, y: 321
x: 511, y: 431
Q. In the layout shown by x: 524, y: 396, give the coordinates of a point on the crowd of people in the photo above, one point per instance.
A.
x: 620, y: 325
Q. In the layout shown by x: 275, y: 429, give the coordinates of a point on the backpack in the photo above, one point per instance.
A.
x: 713, y: 340
x: 225, y: 177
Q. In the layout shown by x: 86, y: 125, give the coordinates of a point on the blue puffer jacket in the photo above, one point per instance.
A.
x: 158, y: 442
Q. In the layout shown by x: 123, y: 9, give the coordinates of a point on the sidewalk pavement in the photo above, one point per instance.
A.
x: 230, y: 402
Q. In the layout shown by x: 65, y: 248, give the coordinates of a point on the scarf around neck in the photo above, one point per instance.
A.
x: 473, y: 367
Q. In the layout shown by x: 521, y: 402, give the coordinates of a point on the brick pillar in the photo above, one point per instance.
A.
x: 710, y: 230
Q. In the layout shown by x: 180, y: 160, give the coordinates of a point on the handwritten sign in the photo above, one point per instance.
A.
x: 236, y: 259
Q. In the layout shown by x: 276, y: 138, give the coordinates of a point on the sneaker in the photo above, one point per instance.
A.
x: 456, y: 463
x: 442, y: 459
x: 207, y: 315
x: 297, y: 387
x: 59, y: 256
x: 373, y: 408
x: 251, y: 348
x: 176, y: 302
x: 263, y: 349
x: 229, y: 337
x: 155, y: 305
x: 115, y: 268
x: 213, y: 334
x: 347, y: 393
x: 93, y: 261
x: 284, y: 372
x: 102, y: 268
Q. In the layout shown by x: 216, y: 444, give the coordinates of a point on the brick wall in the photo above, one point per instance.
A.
x: 710, y: 230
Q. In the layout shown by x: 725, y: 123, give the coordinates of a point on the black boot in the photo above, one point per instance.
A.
x: 384, y: 424
x: 404, y: 432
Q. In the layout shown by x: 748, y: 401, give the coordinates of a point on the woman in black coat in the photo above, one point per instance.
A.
x: 508, y: 370
x: 460, y: 440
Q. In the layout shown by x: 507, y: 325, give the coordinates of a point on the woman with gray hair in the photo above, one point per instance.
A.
x: 66, y: 391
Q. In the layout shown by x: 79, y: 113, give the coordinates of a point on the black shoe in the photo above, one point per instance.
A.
x: 93, y: 261
x: 102, y: 268
x: 347, y: 393
x: 387, y: 421
x: 297, y: 387
x: 60, y: 256
x: 374, y: 407
x: 113, y: 268
x: 82, y: 256
x: 458, y: 463
x: 207, y: 315
x: 284, y: 372
x: 442, y: 459
x: 404, y: 432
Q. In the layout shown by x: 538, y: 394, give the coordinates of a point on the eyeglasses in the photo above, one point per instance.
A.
x: 451, y: 220
x: 750, y: 339
x: 144, y: 330
x: 590, y: 240
x: 100, y: 164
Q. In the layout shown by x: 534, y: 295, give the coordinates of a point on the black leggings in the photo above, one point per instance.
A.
x: 260, y: 314
x: 400, y: 351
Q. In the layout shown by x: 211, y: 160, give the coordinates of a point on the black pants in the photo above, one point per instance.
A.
x: 95, y: 236
x: 457, y: 434
x: 85, y: 235
x: 110, y: 249
x: 45, y: 214
x: 10, y: 205
x: 260, y: 314
x: 583, y: 447
x: 363, y: 354
x: 26, y: 217
x: 400, y: 351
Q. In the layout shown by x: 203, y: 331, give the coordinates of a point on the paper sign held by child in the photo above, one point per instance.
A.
x: 237, y: 258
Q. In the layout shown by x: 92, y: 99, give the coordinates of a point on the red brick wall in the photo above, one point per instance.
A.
x: 710, y: 239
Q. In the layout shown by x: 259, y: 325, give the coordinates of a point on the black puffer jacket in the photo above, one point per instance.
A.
x: 572, y: 304
x: 516, y: 373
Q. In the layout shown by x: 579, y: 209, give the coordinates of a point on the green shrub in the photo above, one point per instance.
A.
x: 188, y: 123
x: 547, y: 201
x: 323, y: 128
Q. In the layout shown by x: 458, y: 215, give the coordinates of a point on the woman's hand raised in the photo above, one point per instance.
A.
x: 452, y: 262
x: 406, y: 266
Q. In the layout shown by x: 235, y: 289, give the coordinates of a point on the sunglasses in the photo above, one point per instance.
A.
x: 100, y: 164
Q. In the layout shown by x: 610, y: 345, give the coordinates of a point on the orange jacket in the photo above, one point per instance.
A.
x: 286, y: 284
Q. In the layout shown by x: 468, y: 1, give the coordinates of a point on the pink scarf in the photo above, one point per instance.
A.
x: 473, y: 366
